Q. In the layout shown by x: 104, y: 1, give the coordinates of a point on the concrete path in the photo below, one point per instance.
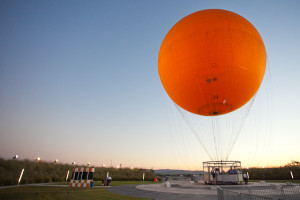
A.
x: 159, y: 192
x: 179, y: 190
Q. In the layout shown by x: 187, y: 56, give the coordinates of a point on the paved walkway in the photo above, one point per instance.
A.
x: 178, y: 191
x: 159, y: 192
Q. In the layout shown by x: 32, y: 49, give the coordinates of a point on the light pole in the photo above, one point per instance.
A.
x: 20, y: 177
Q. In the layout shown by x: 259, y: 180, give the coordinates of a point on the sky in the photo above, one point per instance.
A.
x: 79, y: 82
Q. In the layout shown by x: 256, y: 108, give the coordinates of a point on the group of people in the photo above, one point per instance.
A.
x: 216, y: 172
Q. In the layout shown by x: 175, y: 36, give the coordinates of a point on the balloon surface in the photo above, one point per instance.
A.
x: 212, y: 62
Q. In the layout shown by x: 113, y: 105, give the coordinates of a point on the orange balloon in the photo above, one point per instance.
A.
x: 212, y: 62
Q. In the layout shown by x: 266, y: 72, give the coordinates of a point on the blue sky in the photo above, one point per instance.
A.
x: 79, y: 82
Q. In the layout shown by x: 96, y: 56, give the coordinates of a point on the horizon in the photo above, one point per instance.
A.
x: 133, y: 167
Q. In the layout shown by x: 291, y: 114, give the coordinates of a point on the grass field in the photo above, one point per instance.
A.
x: 62, y: 193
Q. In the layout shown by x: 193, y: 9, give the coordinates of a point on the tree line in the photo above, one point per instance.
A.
x: 276, y: 173
x: 45, y: 172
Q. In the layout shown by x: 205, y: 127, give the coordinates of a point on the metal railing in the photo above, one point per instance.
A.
x: 272, y: 192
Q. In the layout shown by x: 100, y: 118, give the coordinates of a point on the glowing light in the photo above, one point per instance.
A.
x: 38, y: 159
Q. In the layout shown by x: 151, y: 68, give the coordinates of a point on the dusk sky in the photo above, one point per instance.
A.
x: 79, y: 82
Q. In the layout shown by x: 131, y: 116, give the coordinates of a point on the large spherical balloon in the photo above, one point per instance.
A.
x: 212, y: 62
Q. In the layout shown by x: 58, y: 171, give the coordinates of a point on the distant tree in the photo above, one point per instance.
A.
x: 293, y: 163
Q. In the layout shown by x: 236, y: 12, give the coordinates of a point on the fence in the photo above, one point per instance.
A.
x: 272, y: 192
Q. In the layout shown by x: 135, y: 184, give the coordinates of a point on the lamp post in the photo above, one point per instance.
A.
x: 67, y: 176
x: 292, y: 175
x: 20, y: 177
